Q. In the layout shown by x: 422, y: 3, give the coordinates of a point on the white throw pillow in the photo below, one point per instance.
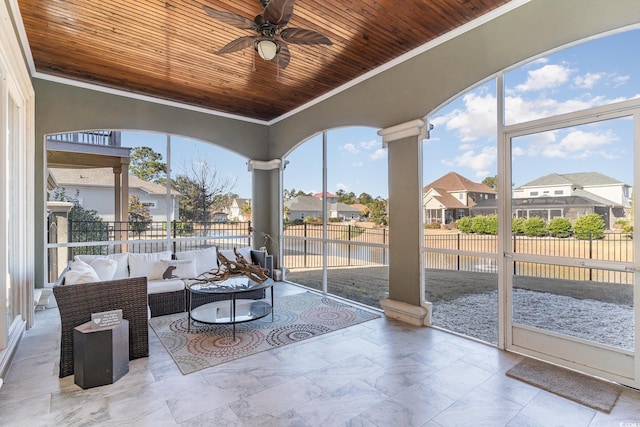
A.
x: 204, y: 259
x: 231, y: 256
x: 148, y: 265
x: 104, y: 267
x: 80, y: 272
x: 179, y: 268
x: 122, y: 260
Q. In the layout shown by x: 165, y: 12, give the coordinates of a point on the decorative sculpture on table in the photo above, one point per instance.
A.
x: 229, y: 268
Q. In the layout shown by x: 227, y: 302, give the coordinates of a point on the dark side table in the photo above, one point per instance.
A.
x: 100, y: 356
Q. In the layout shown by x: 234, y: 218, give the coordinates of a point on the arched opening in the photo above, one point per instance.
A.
x: 335, y: 219
x: 560, y: 279
x: 124, y: 191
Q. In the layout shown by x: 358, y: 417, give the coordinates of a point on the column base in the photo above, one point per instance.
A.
x: 404, y: 312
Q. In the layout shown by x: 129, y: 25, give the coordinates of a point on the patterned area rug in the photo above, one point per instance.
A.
x: 296, y: 318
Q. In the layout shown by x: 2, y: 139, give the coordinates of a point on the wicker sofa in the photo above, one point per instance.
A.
x: 77, y: 302
x: 138, y: 297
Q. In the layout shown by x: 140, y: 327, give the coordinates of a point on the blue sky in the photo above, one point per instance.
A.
x: 463, y: 140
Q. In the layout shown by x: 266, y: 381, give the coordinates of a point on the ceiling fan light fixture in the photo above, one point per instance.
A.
x: 267, y: 49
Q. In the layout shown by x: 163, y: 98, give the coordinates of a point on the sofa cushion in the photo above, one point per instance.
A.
x: 178, y: 268
x: 231, y: 256
x: 122, y: 263
x: 105, y: 268
x: 204, y: 259
x: 148, y: 265
x: 161, y: 286
x: 80, y: 272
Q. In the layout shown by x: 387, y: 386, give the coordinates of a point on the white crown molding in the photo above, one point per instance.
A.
x: 265, y: 165
x: 401, y: 131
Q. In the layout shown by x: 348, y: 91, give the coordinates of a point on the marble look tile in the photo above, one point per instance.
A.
x: 509, y: 388
x: 456, y: 379
x: 270, y: 403
x: 440, y: 355
x: 341, y: 405
x: 287, y: 419
x: 359, y: 421
x: 399, y: 375
x: 478, y: 408
x: 547, y: 409
x: 289, y: 369
x: 16, y: 412
x: 626, y: 411
x: 339, y: 374
x: 219, y: 417
x: 412, y: 407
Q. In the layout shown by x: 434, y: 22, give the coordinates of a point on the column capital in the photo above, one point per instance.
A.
x: 265, y: 165
x: 403, y: 130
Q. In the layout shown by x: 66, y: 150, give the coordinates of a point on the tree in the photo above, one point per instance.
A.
x: 200, y: 185
x: 146, y: 164
x: 290, y: 194
x: 85, y: 224
x: 344, y: 197
x: 365, y: 199
x: 246, y: 209
x: 378, y: 212
x: 139, y: 216
x: 491, y: 182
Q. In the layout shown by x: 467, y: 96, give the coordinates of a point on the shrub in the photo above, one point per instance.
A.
x: 315, y: 220
x: 464, y: 224
x: 560, y: 227
x: 535, y: 227
x: 434, y: 225
x: 485, y: 224
x: 517, y: 225
x: 335, y: 219
x: 589, y: 227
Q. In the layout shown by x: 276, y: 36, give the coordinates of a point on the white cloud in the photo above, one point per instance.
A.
x: 588, y: 81
x: 350, y: 148
x: 479, y: 162
x: 369, y: 145
x: 517, y: 151
x: 476, y: 121
x: 620, y: 80
x: 341, y: 186
x: 545, y: 77
x: 577, y: 144
x: 380, y: 153
x: 357, y: 164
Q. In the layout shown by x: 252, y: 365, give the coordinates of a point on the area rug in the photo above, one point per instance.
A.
x: 296, y: 318
x: 592, y: 392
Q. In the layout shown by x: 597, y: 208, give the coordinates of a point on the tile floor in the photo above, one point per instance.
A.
x: 379, y: 373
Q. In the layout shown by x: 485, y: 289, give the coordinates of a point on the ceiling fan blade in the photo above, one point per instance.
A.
x: 284, y: 56
x: 237, y: 44
x: 278, y: 12
x: 302, y: 36
x: 231, y: 18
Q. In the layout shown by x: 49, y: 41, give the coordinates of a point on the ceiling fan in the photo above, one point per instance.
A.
x: 272, y: 38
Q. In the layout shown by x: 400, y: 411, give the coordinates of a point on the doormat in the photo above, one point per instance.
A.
x: 592, y: 392
x: 296, y: 318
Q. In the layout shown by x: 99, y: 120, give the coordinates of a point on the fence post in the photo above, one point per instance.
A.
x: 174, y: 228
x: 304, y: 246
x: 590, y: 253
x: 69, y: 239
x: 515, y: 243
x: 349, y: 245
x: 458, y: 249
x: 384, y: 242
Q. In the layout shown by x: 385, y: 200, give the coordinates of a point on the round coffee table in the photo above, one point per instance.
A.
x: 235, y: 309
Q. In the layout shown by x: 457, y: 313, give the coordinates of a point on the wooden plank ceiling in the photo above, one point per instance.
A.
x: 166, y: 49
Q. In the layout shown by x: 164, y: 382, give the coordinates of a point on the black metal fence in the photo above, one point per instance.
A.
x: 617, y: 247
x: 154, y: 236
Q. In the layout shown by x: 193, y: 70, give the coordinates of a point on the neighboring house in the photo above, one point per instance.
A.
x: 234, y: 210
x: 311, y: 206
x: 573, y: 195
x: 450, y: 197
x: 331, y: 198
x: 94, y: 189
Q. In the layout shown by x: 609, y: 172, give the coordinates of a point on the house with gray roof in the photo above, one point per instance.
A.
x: 302, y: 207
x: 94, y: 189
x: 573, y: 195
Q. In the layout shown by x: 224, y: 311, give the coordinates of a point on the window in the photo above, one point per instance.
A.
x: 533, y: 194
x: 558, y: 192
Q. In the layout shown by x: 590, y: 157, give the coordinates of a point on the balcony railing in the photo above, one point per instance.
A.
x: 100, y: 137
